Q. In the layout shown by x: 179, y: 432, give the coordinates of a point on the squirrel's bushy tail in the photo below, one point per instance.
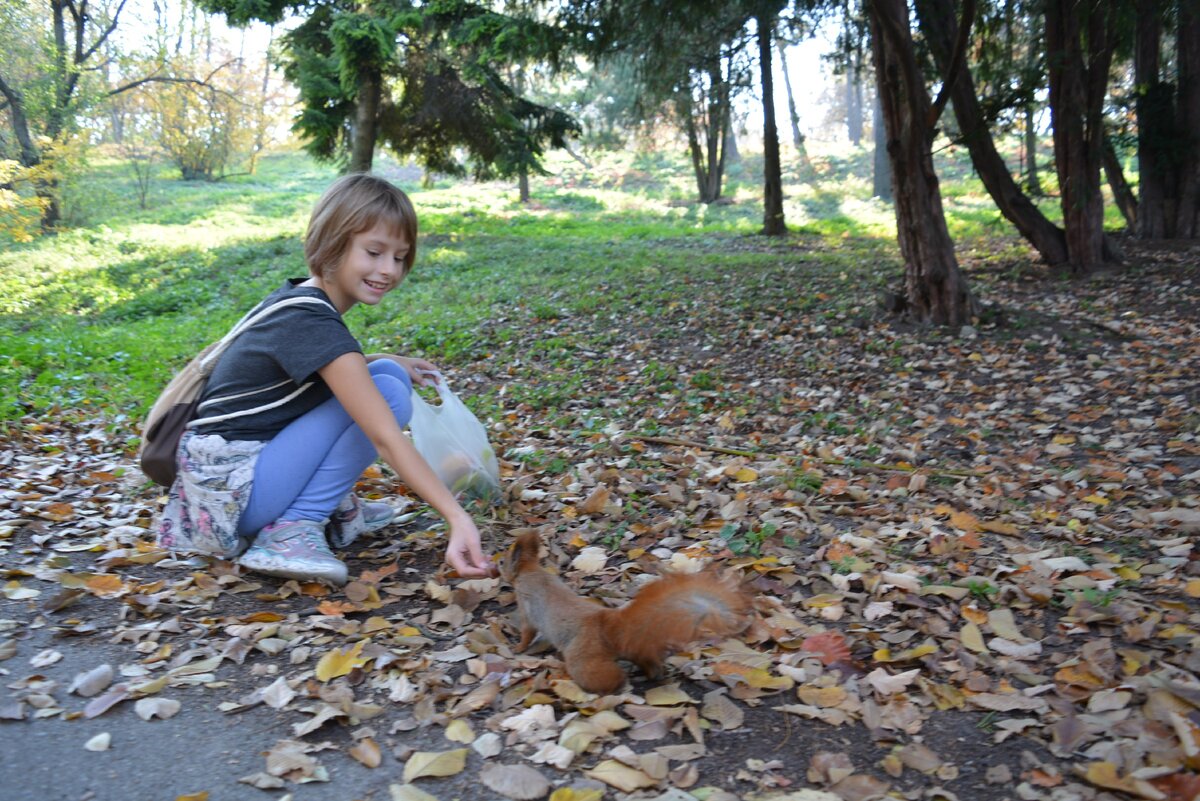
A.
x: 671, y: 612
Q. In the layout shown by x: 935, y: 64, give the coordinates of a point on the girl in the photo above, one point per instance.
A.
x: 279, y: 479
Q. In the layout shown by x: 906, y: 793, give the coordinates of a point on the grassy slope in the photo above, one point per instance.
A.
x: 100, y: 315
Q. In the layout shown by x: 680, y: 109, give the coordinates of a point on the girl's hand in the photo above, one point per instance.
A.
x: 463, y: 552
x: 417, y: 369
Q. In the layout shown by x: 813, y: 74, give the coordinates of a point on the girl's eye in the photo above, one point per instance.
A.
x: 372, y: 253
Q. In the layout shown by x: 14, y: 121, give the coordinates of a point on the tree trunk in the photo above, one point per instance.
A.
x: 773, y: 222
x: 523, y: 184
x: 793, y: 115
x: 708, y: 157
x: 732, y: 154
x: 938, y: 23
x: 936, y: 290
x: 1122, y: 193
x: 806, y: 169
x: 882, y: 175
x: 854, y: 98
x: 1155, y: 117
x: 1078, y: 82
x: 1187, y: 215
x: 1032, y: 181
x: 366, y: 121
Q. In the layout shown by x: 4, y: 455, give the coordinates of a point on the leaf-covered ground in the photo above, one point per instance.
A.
x: 972, y: 555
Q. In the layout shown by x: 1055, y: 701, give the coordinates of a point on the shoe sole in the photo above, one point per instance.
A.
x: 337, y: 578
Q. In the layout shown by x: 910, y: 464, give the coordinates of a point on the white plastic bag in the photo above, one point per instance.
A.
x: 455, y: 445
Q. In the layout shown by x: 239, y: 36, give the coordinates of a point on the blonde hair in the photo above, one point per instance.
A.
x: 353, y: 204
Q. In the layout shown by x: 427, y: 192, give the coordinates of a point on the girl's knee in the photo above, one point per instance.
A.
x: 397, y: 391
x: 382, y: 367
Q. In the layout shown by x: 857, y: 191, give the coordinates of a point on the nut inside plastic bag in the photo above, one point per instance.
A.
x: 455, y: 444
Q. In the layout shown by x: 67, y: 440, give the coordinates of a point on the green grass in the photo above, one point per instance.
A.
x: 100, y: 315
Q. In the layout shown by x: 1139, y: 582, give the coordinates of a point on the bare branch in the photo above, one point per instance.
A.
x: 112, y: 26
x: 172, y: 79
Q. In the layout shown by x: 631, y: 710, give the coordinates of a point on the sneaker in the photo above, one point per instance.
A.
x: 295, y: 549
x: 354, y: 517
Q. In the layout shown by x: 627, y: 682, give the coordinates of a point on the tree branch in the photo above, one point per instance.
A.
x: 112, y: 26
x: 957, y: 62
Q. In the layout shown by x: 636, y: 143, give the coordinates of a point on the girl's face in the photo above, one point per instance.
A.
x: 372, y: 266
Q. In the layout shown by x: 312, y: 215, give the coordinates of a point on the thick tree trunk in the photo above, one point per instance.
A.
x: 1187, y: 215
x: 366, y: 121
x: 935, y: 288
x: 882, y: 174
x: 1122, y: 192
x: 938, y: 23
x: 1078, y: 83
x: 1155, y: 116
x: 773, y: 222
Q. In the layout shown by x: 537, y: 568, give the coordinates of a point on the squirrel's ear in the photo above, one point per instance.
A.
x: 526, y: 548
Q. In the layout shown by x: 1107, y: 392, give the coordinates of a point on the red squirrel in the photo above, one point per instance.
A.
x: 666, y: 615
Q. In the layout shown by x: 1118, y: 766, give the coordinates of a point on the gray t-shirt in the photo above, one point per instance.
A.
x: 270, y: 360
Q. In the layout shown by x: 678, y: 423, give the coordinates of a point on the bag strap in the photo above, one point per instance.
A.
x: 251, y: 318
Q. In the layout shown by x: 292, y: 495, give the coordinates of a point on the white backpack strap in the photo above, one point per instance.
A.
x: 245, y: 412
x: 252, y: 317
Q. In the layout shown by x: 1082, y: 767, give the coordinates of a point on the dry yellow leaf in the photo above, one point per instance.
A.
x: 997, y: 527
x: 573, y: 794
x: 106, y: 585
x: 1104, y: 774
x: 340, y: 662
x: 972, y: 638
x: 964, y: 521
x: 459, y: 731
x: 623, y: 777
x: 757, y: 678
x: 821, y: 696
x: 1193, y: 588
x: 668, y: 695
x: 435, y: 763
x: 746, y: 474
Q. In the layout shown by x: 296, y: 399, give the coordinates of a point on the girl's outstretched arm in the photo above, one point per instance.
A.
x: 351, y: 382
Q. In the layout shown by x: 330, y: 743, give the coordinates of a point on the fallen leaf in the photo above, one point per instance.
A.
x: 520, y: 782
x: 623, y: 777
x: 435, y: 763
x: 100, y: 742
x: 367, y: 752
x: 340, y: 661
x: 830, y: 647
x: 161, y: 708
x: 409, y: 792
x: 888, y: 684
x: 93, y: 682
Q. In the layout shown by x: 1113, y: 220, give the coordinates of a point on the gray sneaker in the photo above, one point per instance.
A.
x: 295, y: 549
x: 354, y: 517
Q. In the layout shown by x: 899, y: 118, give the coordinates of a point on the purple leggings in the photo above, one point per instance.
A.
x: 315, y: 461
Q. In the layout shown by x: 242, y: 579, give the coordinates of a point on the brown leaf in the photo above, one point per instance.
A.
x: 367, y: 752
